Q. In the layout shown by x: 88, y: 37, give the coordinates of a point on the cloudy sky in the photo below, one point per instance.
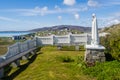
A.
x: 30, y: 14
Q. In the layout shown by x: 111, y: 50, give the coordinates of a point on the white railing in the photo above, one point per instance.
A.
x: 21, y: 49
x: 72, y: 39
x: 15, y: 53
x: 18, y: 48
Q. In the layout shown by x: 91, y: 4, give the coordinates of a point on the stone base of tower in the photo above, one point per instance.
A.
x: 93, y: 54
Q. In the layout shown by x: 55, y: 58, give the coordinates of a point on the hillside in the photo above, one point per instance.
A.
x: 111, y: 29
x: 112, y: 41
x: 63, y: 27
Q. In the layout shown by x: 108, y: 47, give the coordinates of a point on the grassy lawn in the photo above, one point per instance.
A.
x: 50, y: 64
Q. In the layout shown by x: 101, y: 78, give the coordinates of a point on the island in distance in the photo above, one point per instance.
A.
x: 63, y: 27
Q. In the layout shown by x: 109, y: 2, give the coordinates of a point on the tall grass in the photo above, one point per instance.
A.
x: 104, y: 71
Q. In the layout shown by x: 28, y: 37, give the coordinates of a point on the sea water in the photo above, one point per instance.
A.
x: 12, y: 33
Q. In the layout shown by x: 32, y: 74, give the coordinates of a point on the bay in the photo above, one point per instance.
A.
x: 13, y: 33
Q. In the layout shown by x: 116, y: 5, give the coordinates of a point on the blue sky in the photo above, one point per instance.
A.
x: 31, y: 14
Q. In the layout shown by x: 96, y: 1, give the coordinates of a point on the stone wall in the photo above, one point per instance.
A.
x: 93, y: 55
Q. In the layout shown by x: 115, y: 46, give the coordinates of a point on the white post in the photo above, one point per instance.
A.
x: 69, y: 38
x: 52, y: 37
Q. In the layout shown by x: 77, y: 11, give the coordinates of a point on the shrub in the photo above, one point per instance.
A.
x: 65, y: 59
x: 82, y: 47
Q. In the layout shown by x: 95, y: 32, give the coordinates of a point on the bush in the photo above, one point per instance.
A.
x: 82, y: 47
x: 65, y: 59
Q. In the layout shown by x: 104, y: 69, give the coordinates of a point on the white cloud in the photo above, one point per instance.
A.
x: 117, y: 14
x: 92, y: 3
x: 76, y: 16
x: 100, y: 3
x: 7, y: 19
x: 108, y: 21
x: 33, y: 12
x: 69, y: 2
x: 111, y: 2
x: 115, y: 3
x: 111, y: 22
x: 57, y: 7
x: 115, y: 19
x: 17, y: 24
x: 37, y: 8
x: 44, y: 10
x: 59, y: 17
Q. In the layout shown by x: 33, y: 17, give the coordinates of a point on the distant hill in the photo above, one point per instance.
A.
x: 63, y: 27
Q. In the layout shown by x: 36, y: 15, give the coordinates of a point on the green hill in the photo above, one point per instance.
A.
x: 111, y: 29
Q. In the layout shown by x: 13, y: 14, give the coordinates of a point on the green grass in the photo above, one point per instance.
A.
x: 104, y: 71
x: 52, y: 64
x: 68, y: 48
x: 48, y: 65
